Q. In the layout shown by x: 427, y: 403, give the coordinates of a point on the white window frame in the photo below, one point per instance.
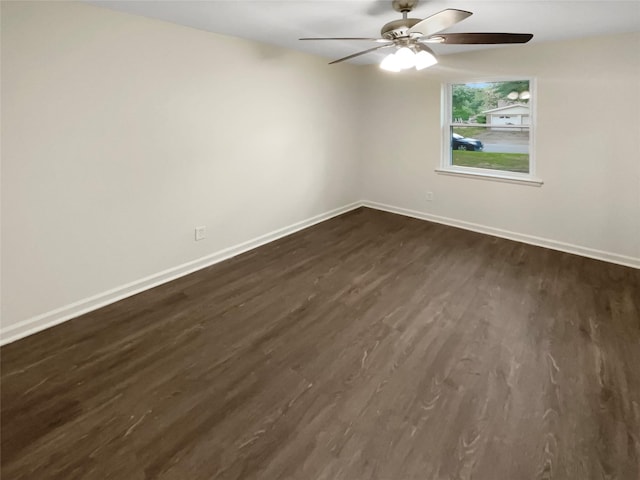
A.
x: 447, y: 168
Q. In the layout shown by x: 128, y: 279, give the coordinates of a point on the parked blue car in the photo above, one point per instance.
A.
x: 458, y: 142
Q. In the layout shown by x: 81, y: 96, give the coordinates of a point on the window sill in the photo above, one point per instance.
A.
x: 496, y: 177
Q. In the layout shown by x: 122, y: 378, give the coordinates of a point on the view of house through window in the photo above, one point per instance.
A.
x: 489, y: 126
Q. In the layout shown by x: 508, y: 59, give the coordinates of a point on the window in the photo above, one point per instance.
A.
x: 488, y: 130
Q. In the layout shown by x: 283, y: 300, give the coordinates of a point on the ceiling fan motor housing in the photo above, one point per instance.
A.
x: 398, y: 28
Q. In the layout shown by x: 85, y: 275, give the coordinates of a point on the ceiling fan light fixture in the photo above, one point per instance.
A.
x: 390, y: 63
x: 424, y: 59
x: 405, y: 57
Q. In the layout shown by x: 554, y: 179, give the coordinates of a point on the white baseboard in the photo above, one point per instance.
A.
x: 54, y: 317
x: 520, y: 237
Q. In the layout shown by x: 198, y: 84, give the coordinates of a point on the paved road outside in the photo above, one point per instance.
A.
x: 498, y: 136
x: 504, y: 141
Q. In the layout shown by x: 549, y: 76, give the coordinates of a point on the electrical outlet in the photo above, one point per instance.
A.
x: 429, y: 196
x: 201, y: 233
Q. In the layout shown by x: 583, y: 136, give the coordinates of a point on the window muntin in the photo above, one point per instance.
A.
x: 488, y: 128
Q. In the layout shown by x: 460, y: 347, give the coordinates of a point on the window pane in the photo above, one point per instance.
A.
x: 494, y: 119
x: 496, y: 148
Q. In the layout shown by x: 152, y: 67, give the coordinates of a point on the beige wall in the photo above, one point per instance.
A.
x: 121, y: 134
x: 590, y: 200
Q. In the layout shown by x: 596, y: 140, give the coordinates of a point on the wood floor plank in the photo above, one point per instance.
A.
x: 371, y: 346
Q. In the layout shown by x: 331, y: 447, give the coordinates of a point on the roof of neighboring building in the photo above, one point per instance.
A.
x: 508, y: 107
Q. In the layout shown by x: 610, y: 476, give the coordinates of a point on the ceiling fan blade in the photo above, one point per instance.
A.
x: 379, y: 40
x: 439, y: 21
x: 481, y: 38
x: 359, y: 53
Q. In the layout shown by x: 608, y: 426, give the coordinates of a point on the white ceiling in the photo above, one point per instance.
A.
x: 282, y: 22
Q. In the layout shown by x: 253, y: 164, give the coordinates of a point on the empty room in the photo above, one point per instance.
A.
x: 320, y: 240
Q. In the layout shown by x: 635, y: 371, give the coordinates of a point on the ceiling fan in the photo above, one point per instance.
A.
x: 409, y: 36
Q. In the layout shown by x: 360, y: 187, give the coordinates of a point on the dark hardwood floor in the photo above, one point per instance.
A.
x: 371, y: 346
